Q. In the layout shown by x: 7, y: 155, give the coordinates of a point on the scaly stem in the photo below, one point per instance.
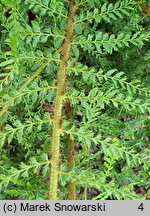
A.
x: 58, y: 103
x: 71, y: 186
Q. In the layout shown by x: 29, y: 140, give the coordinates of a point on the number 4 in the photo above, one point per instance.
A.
x: 141, y: 207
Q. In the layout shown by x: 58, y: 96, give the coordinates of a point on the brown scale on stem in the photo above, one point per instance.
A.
x: 58, y: 104
x: 70, y: 153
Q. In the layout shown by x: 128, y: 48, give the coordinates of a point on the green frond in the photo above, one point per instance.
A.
x: 14, y: 174
x: 105, y: 43
x: 107, y: 12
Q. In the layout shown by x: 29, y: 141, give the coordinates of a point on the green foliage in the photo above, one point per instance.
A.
x: 107, y: 85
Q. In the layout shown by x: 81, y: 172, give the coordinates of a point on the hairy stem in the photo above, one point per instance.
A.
x: 58, y: 103
x: 71, y: 186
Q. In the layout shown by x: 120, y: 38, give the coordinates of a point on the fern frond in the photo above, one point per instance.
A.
x: 18, y: 130
x: 45, y: 7
x: 107, y: 12
x: 103, y: 43
x: 15, y: 173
